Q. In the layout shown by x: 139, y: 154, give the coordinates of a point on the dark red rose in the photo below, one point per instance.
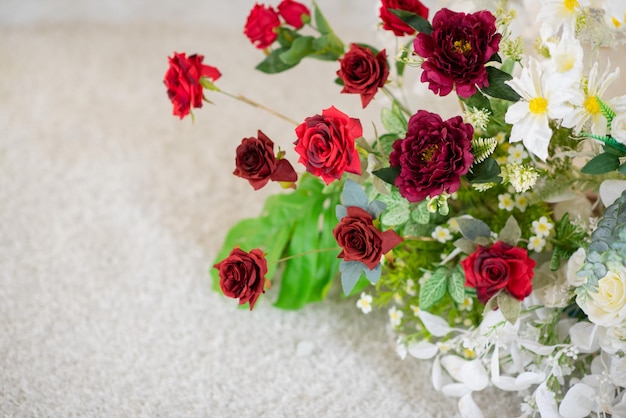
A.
x: 501, y: 266
x: 255, y: 162
x: 457, y: 50
x: 433, y: 156
x: 394, y: 23
x: 182, y: 80
x: 292, y: 12
x: 261, y: 26
x: 360, y: 240
x: 326, y: 144
x: 363, y: 72
x: 242, y: 275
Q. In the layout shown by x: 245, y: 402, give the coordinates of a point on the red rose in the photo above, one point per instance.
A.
x: 255, y: 162
x: 433, y: 156
x: 326, y: 144
x: 457, y: 50
x: 394, y: 23
x: 360, y: 240
x: 501, y: 266
x: 362, y: 72
x: 182, y: 80
x: 242, y: 275
x: 261, y: 26
x: 293, y: 13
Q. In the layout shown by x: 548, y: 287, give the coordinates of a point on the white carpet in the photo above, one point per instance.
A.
x: 112, y: 211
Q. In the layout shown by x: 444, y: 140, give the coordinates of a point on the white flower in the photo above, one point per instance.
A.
x: 542, y: 227
x: 410, y: 288
x: 586, y: 107
x: 544, y: 96
x: 566, y: 57
x: 607, y: 306
x: 453, y: 225
x: 365, y: 303
x: 415, y: 309
x: 618, y: 125
x: 478, y: 118
x: 557, y: 14
x: 395, y: 316
x: 521, y: 201
x: 574, y: 264
x: 517, y: 153
x: 441, y: 234
x: 536, y: 243
x: 505, y: 202
x: 615, y: 13
x: 466, y: 305
x: 522, y: 177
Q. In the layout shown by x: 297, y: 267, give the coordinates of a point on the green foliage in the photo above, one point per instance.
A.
x: 434, y: 288
x: 601, y: 163
x: 273, y: 63
x: 497, y: 88
x: 487, y: 171
x: 415, y: 21
x: 567, y: 239
x: 482, y: 148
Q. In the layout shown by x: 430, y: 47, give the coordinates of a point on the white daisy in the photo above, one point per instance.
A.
x: 365, y: 303
x: 441, y: 234
x: 410, y: 288
x: 545, y: 96
x: 521, y: 202
x: 542, y: 227
x: 536, y: 243
x: 557, y: 14
x: 505, y: 202
x: 395, y: 316
x: 566, y: 57
x: 517, y: 153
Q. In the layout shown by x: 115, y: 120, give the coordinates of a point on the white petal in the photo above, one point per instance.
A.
x: 437, y: 374
x: 456, y: 390
x: 584, y: 337
x: 423, y: 350
x: 578, y: 401
x: 468, y: 408
x: 516, y: 112
x: 546, y: 403
x: 610, y: 190
x: 535, y: 347
x: 474, y: 375
x: 537, y: 137
x: 436, y: 325
x: 453, y: 365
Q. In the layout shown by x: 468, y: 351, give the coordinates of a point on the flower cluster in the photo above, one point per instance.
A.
x: 495, y: 239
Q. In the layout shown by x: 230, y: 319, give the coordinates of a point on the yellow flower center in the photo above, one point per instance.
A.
x: 592, y: 105
x: 538, y: 105
x: 616, y: 22
x: 427, y: 154
x: 462, y: 46
x: 570, y: 4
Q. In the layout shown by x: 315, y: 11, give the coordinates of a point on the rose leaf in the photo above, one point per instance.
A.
x: 300, y: 48
x: 273, y: 64
x: 511, y: 233
x: 414, y: 20
x: 509, y: 306
x: 387, y: 174
x: 320, y: 21
x: 350, y: 273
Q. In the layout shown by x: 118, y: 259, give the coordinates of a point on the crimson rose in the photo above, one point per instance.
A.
x: 394, y: 23
x: 255, y: 162
x: 457, y: 50
x: 501, y: 266
x: 360, y: 240
x: 242, y: 275
x: 261, y: 26
x: 362, y: 72
x: 293, y: 13
x: 433, y: 156
x: 182, y: 80
x: 326, y: 144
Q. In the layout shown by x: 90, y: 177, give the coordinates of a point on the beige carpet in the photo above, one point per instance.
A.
x: 112, y: 210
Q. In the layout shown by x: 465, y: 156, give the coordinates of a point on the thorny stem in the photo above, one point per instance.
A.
x: 252, y: 103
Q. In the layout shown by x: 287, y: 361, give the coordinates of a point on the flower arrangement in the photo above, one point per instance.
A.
x: 496, y: 239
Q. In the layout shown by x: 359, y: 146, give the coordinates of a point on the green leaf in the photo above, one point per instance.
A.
x: 300, y: 48
x: 320, y: 21
x: 497, y: 88
x: 511, y: 233
x: 601, y: 163
x: 509, y: 306
x: 508, y: 66
x: 328, y: 262
x: 622, y: 168
x: 327, y: 47
x: 488, y: 171
x: 273, y: 64
x: 397, y: 213
x: 421, y: 215
x: 286, y: 36
x: 456, y: 285
x: 472, y: 228
x: 415, y: 21
x: 386, y: 142
x: 387, y: 174
x: 466, y: 245
x: 478, y: 100
x: 433, y: 289
x: 393, y: 122
x: 495, y: 57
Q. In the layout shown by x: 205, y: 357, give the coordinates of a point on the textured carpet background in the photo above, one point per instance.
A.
x: 112, y: 211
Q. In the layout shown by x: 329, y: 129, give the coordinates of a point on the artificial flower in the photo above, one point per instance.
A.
x: 261, y: 26
x: 393, y: 23
x: 362, y: 72
x: 295, y: 13
x: 242, y: 275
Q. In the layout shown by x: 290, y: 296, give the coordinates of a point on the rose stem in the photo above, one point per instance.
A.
x: 259, y: 106
x: 391, y: 97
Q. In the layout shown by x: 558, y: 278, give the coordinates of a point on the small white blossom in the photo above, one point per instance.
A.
x: 441, y: 234
x: 522, y: 177
x: 478, y: 118
x: 397, y: 298
x: 410, y: 288
x: 466, y: 305
x: 536, y: 243
x: 481, y: 187
x: 505, y: 202
x: 517, y: 153
x: 415, y: 309
x: 521, y: 202
x: 453, y: 225
x: 365, y: 303
x: 542, y: 227
x: 395, y: 317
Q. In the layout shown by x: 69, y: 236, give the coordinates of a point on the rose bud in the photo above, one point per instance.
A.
x: 394, y: 23
x: 261, y: 26
x: 295, y: 14
x: 242, y: 275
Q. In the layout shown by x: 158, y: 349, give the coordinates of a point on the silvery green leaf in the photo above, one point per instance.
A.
x: 509, y: 306
x: 353, y: 195
x: 350, y: 274
x: 473, y: 228
x: 341, y: 211
x: 491, y: 304
x: 396, y: 214
x: 465, y: 245
x: 511, y: 233
x: 421, y: 214
x: 376, y: 207
x: 374, y: 274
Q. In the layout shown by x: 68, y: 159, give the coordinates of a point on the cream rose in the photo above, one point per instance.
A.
x: 607, y: 306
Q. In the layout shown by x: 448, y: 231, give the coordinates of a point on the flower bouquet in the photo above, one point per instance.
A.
x: 495, y: 239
